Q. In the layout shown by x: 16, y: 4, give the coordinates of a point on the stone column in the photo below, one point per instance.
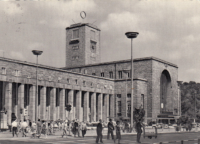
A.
x: 62, y: 104
x: 93, y: 107
x: 53, y: 104
x: 78, y: 105
x: 71, y: 101
x: 86, y: 107
x: 43, y: 103
x: 8, y: 101
x: 112, y: 105
x: 20, y: 102
x: 106, y: 108
x: 31, y: 109
x: 100, y: 104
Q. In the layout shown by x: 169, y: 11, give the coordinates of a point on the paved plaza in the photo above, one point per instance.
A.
x: 172, y: 138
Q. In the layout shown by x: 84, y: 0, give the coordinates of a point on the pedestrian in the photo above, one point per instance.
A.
x: 64, y: 126
x: 99, y: 132
x: 138, y: 128
x: 118, y: 133
x: 24, y: 125
x: 79, y: 129
x: 110, y: 129
x: 84, y: 128
x: 69, y: 127
x: 75, y: 128
x: 39, y: 126
x: 14, y: 128
x: 33, y: 129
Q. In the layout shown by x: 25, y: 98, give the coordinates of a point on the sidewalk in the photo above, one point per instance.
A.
x: 8, y: 134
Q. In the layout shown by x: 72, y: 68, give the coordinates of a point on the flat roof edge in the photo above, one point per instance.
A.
x: 123, y: 61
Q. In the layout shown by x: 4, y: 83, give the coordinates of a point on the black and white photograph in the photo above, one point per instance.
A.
x: 99, y: 71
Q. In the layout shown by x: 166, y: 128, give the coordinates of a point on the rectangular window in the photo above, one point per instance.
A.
x: 119, y: 95
x: 84, y: 83
x: 68, y: 81
x: 120, y: 74
x: 129, y: 106
x: 102, y: 74
x: 128, y: 95
x: 142, y: 100
x: 3, y: 70
x: 111, y: 74
x: 128, y: 74
x: 119, y: 107
x: 92, y: 35
x: 16, y: 73
x: 76, y: 34
x: 94, y: 74
x: 84, y: 71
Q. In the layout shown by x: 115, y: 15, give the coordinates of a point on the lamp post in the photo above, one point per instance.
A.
x: 126, y: 71
x: 131, y: 35
x: 37, y: 53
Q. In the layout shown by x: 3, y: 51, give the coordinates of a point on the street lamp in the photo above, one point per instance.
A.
x: 131, y: 35
x: 126, y: 71
x: 37, y: 53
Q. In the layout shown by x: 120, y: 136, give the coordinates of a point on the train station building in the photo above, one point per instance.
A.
x: 95, y: 90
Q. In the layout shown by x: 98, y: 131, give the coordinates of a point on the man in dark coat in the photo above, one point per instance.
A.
x: 138, y: 128
x: 99, y: 132
x: 110, y: 129
x: 75, y: 128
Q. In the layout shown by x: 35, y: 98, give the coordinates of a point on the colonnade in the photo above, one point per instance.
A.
x: 86, y: 105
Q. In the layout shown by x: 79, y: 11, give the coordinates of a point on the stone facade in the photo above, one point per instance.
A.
x: 56, y: 88
x: 84, y: 47
x: 147, y: 78
x: 94, y: 90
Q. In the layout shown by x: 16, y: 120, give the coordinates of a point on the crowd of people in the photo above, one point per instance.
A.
x: 70, y: 128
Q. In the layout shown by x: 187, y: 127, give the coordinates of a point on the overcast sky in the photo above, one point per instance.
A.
x: 168, y: 29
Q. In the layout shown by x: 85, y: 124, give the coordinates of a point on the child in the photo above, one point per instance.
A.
x: 118, y: 133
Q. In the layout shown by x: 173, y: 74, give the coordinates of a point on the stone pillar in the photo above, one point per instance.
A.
x: 100, y: 104
x: 106, y: 108
x: 86, y: 107
x: 20, y: 102
x: 43, y: 103
x: 78, y: 105
x: 112, y: 105
x: 71, y: 101
x: 93, y: 107
x: 31, y: 109
x: 53, y: 104
x: 62, y: 105
x: 8, y: 101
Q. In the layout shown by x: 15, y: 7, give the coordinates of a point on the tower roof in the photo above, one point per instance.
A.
x: 83, y: 24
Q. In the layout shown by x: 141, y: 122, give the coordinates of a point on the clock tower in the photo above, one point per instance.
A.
x: 82, y: 45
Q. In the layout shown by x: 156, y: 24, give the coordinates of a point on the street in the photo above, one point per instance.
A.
x: 126, y: 139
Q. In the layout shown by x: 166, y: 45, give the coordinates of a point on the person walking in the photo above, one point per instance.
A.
x: 39, y: 128
x: 99, y: 132
x: 14, y: 128
x: 84, y: 128
x: 110, y: 130
x: 118, y: 133
x: 69, y: 127
x: 24, y: 125
x: 138, y: 130
x: 75, y: 128
x: 64, y: 128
